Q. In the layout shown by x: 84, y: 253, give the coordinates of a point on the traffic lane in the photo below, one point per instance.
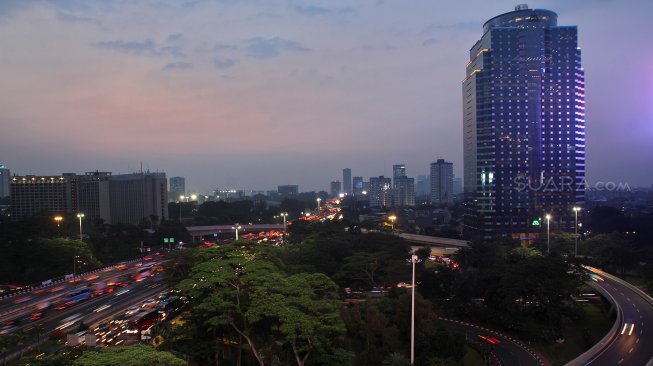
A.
x: 508, y: 350
x: 119, y: 303
x: 52, y: 294
x: 632, y: 345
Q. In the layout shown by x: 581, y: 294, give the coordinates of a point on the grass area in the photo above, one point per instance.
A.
x: 580, y: 337
x: 472, y: 357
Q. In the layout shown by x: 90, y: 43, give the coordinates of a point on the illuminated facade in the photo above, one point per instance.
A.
x: 379, y: 191
x: 523, y: 124
x: 40, y: 195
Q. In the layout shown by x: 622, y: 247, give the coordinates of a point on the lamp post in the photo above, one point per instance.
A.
x: 75, y: 259
x: 284, y: 215
x: 548, y: 239
x: 576, y: 209
x: 80, y: 216
x: 58, y: 219
x: 414, y: 259
x: 236, y: 227
x: 318, y: 204
x: 392, y: 219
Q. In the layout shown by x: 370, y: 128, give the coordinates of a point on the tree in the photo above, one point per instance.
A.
x: 136, y: 355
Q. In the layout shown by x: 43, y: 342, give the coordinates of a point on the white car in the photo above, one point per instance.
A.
x: 133, y: 310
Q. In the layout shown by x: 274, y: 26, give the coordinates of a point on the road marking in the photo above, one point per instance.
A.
x: 637, y: 340
x: 620, y: 361
x: 636, y: 308
x: 631, y: 350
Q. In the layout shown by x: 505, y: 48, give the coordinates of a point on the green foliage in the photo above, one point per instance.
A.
x: 136, y: 355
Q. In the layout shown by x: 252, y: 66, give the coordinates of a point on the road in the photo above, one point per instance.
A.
x: 630, y: 342
x: 509, y: 351
x: 89, y: 312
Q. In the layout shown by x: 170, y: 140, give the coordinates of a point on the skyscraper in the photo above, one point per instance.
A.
x: 441, y: 182
x: 523, y: 124
x: 378, y: 191
x: 358, y: 186
x: 177, y: 188
x: 398, y: 170
x: 403, y: 188
x: 346, y: 181
x: 423, y: 187
x: 5, y: 181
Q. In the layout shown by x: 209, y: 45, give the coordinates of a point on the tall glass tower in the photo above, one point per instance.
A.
x: 524, y: 125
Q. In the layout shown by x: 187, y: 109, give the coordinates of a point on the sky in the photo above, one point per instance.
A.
x: 251, y: 94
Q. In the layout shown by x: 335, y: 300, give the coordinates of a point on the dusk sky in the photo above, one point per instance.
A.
x: 251, y: 94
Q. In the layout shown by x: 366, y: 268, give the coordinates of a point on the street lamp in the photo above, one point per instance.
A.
x: 80, y: 216
x: 318, y: 204
x: 236, y: 227
x: 58, y: 219
x: 392, y: 219
x: 548, y: 239
x: 75, y: 259
x: 576, y: 209
x: 414, y: 259
x: 284, y: 215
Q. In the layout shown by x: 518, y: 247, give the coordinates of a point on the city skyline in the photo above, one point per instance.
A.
x: 251, y: 94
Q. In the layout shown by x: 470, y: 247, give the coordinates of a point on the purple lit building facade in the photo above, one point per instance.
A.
x: 524, y: 126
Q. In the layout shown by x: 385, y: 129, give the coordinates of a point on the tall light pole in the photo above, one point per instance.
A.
x: 75, y: 259
x: 58, y: 219
x: 80, y: 216
x: 414, y: 259
x: 548, y: 239
x: 181, y: 198
x: 576, y: 209
x: 236, y: 227
x: 284, y: 215
x: 318, y: 204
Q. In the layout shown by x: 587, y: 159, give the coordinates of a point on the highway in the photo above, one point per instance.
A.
x: 630, y: 342
x: 90, y: 312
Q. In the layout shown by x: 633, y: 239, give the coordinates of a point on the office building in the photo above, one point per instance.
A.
x: 379, y: 192
x: 523, y: 125
x: 5, y: 181
x: 177, y: 188
x: 138, y: 197
x: 346, y: 181
x: 398, y: 170
x: 336, y: 188
x: 125, y: 199
x: 288, y: 190
x: 441, y: 182
x: 423, y: 187
x: 403, y: 194
x: 358, y: 186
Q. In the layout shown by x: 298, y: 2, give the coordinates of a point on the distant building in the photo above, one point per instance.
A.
x: 404, y: 192
x: 137, y: 197
x: 5, y: 181
x: 177, y: 188
x: 288, y: 190
x: 358, y: 186
x: 379, y: 191
x: 441, y: 182
x: 40, y: 195
x: 423, y: 187
x: 336, y: 188
x: 346, y: 181
x: 457, y: 185
x: 403, y: 188
x: 126, y: 198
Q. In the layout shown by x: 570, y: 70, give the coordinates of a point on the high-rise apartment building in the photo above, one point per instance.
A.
x: 346, y: 181
x: 177, y: 188
x: 523, y: 124
x: 403, y: 188
x: 379, y: 191
x: 398, y: 170
x: 5, y: 181
x: 423, y: 187
x: 336, y: 188
x: 441, y: 182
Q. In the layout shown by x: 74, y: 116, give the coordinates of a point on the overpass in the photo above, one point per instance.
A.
x: 197, y: 232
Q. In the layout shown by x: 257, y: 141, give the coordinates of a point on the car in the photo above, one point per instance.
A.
x: 149, y: 303
x: 489, y: 339
x: 36, y: 316
x: 133, y: 310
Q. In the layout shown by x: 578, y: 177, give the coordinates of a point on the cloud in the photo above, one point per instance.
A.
x: 145, y: 47
x: 224, y: 46
x: 174, y: 37
x: 264, y: 48
x: 429, y: 42
x: 178, y: 66
x: 224, y: 63
x: 67, y: 17
x: 313, y: 10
